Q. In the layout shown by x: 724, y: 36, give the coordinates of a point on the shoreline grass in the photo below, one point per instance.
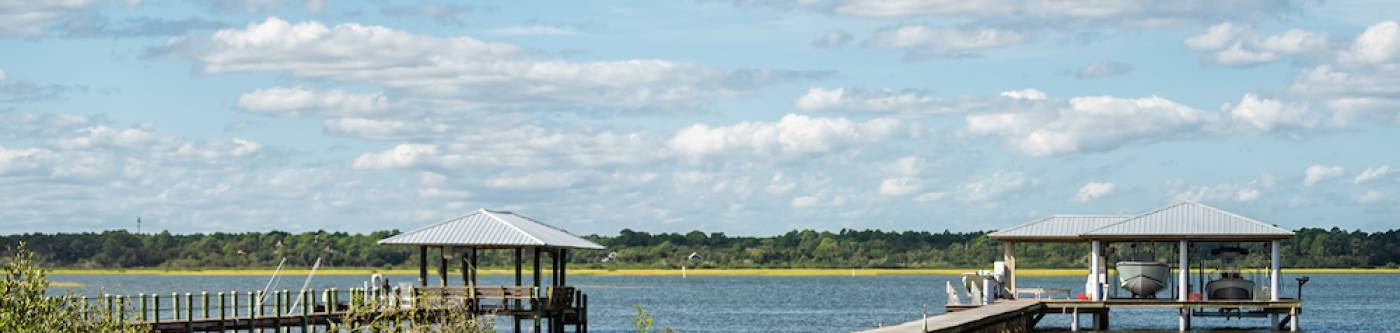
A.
x: 1025, y: 272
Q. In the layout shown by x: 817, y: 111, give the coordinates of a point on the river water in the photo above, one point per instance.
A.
x: 1333, y: 302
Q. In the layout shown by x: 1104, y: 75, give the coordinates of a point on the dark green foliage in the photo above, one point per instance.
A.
x: 25, y: 308
x: 635, y: 249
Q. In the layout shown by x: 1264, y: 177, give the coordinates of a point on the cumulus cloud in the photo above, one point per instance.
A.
x: 462, y: 74
x: 833, y: 39
x: 36, y: 17
x: 299, y: 100
x: 1132, y: 13
x: 1318, y: 173
x: 923, y: 41
x: 1371, y: 173
x: 1095, y: 123
x: 1379, y: 44
x: 1102, y: 70
x: 1251, y: 191
x: 793, y: 135
x: 1232, y: 45
x: 806, y: 201
x: 907, y: 102
x: 1363, y: 83
x: 1262, y: 114
x: 1093, y: 191
x: 898, y: 187
x: 1030, y: 94
x: 991, y: 187
x: 1370, y: 197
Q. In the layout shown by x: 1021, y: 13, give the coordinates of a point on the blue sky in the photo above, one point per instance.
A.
x: 744, y: 117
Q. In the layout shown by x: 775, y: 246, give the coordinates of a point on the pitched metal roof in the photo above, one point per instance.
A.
x: 1062, y: 227
x: 491, y: 229
x: 1181, y: 221
x: 1189, y: 221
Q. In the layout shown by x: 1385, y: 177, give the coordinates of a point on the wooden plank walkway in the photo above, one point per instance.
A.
x: 971, y: 320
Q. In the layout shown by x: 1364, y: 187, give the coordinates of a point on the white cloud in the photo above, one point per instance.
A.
x: 833, y: 39
x: 1243, y: 193
x: 21, y: 160
x: 924, y: 41
x: 1268, y: 114
x: 1027, y: 94
x: 535, y: 30
x: 898, y: 187
x: 1103, y: 70
x: 402, y: 155
x: 101, y: 135
x: 1379, y: 44
x: 1093, y: 191
x: 1371, y: 173
x: 298, y: 100
x: 1370, y: 197
x: 1318, y: 173
x: 34, y: 17
x: 804, y: 202
x: 1231, y: 45
x: 1095, y: 123
x: 462, y: 74
x: 2, y: 75
x: 1131, y: 13
x: 791, y: 136
x: 991, y: 187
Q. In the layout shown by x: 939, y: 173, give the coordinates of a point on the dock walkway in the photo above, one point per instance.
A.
x: 1008, y: 316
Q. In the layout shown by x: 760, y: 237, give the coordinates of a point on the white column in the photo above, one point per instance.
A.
x: 1009, y: 256
x: 1094, y: 272
x: 1273, y: 270
x: 1184, y: 267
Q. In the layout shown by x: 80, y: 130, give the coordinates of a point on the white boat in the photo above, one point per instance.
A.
x: 1143, y: 278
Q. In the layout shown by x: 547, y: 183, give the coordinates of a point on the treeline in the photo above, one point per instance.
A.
x: 635, y: 249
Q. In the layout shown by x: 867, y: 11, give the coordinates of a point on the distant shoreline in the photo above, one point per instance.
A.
x: 1025, y: 272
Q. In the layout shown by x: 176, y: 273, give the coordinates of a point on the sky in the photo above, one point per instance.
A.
x: 747, y: 117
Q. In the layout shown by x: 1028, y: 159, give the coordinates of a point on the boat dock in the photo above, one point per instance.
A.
x: 1019, y: 316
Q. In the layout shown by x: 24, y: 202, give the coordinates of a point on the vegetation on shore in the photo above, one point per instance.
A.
x: 24, y: 307
x: 804, y: 252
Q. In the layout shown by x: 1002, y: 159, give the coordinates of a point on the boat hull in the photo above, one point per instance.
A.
x: 1143, y: 278
x: 1230, y: 289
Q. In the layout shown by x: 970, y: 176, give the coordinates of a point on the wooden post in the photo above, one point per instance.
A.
x: 277, y: 310
x: 189, y: 312
x: 539, y: 315
x: 518, y: 263
x: 306, y: 309
x: 204, y: 296
x: 175, y: 306
x: 223, y: 312
x: 156, y: 312
x: 143, y: 316
x: 252, y: 311
x: 563, y: 267
x: 442, y: 264
x: 423, y: 266
x: 474, y: 271
x: 466, y: 266
x: 121, y: 308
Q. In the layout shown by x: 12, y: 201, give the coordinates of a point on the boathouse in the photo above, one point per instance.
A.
x: 551, y: 300
x: 1125, y: 272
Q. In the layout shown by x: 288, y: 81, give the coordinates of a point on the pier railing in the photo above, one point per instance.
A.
x: 321, y: 309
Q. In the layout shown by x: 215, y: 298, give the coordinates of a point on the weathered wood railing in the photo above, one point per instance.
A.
x: 318, y: 310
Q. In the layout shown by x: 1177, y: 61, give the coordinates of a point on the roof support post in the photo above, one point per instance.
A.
x: 474, y: 268
x: 537, y: 267
x: 446, y: 252
x: 563, y: 267
x: 423, y: 266
x: 1008, y: 256
x: 1274, y: 264
x: 1183, y: 268
x: 466, y: 273
x: 1094, y: 271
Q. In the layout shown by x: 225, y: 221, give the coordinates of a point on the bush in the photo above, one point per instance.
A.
x: 25, y: 308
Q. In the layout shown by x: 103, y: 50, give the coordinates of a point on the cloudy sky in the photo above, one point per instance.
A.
x: 748, y: 117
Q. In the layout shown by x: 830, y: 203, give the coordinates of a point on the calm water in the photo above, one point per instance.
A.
x: 1335, y: 303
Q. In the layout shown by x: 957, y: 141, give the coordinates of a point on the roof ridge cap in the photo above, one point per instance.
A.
x: 513, y: 226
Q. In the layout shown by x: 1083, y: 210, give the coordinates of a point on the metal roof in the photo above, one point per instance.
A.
x: 1063, y: 227
x: 491, y: 229
x: 1181, y: 221
x: 1189, y: 221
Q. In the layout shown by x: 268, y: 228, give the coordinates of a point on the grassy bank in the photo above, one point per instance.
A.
x: 1046, y: 272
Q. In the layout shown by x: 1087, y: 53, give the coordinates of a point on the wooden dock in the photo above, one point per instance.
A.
x: 552, y: 310
x: 1020, y: 316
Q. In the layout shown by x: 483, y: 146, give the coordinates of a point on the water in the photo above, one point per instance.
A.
x: 1334, y: 302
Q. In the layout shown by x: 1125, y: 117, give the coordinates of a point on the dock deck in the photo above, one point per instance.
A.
x: 1018, y: 316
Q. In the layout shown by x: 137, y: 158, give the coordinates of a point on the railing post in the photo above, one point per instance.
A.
x: 306, y: 309
x: 252, y: 310
x: 121, y: 308
x: 155, y: 314
x: 175, y: 306
x: 204, y: 298
x: 143, y: 308
x: 189, y: 312
x: 223, y: 312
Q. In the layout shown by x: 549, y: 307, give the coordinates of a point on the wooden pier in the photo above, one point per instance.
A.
x: 553, y: 310
x: 1020, y: 316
